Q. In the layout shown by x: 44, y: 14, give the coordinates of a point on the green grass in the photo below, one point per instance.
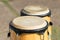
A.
x: 55, y: 33
x: 6, y: 2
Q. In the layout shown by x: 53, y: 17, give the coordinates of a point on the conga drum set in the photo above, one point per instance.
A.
x: 33, y: 24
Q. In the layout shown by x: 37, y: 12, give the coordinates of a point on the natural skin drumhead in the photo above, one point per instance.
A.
x: 35, y: 10
x: 29, y: 22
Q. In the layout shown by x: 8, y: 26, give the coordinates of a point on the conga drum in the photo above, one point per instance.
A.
x: 27, y: 28
x: 40, y: 11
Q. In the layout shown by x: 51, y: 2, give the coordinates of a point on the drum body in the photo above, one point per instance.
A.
x: 27, y: 28
x: 42, y: 12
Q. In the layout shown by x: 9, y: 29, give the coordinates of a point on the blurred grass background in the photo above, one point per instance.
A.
x: 55, y: 30
x: 6, y: 2
x: 55, y: 33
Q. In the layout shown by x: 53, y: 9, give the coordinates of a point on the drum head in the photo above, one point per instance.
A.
x: 29, y: 23
x: 35, y: 10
